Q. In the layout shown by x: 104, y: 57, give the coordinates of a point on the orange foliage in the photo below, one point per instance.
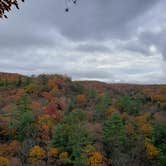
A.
x: 80, y: 99
x: 151, y: 150
x: 53, y: 152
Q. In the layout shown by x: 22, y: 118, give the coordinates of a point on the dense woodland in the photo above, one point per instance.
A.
x: 50, y: 120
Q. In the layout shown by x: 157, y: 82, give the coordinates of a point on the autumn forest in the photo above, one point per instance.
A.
x: 50, y: 120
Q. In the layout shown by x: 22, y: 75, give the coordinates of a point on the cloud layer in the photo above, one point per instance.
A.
x: 107, y: 40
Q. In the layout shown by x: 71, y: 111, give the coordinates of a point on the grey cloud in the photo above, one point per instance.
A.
x: 98, y: 19
x: 24, y: 37
x: 92, y: 48
x: 42, y: 38
x: 136, y: 46
x: 94, y: 19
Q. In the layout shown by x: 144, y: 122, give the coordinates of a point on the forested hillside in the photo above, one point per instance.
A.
x: 50, y: 120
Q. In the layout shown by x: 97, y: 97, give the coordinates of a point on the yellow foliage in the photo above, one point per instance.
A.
x: 4, y: 161
x: 96, y: 159
x: 37, y: 153
x: 151, y: 150
x: 63, y: 155
x: 46, y: 120
x: 144, y: 126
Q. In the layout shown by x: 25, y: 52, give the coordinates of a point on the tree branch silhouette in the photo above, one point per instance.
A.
x: 6, y: 6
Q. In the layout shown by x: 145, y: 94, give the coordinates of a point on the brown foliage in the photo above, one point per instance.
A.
x: 10, y: 149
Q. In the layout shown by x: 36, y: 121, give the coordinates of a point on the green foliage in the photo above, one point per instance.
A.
x: 104, y: 102
x: 81, y: 161
x: 129, y: 105
x: 75, y: 117
x: 70, y: 136
x: 4, y: 82
x: 159, y: 140
x: 19, y: 82
x: 92, y: 94
x: 114, y: 130
x: 114, y: 138
x: 23, y: 120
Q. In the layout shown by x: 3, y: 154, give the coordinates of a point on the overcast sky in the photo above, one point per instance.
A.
x: 106, y: 40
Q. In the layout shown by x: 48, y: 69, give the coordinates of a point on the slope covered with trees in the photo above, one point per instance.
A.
x: 50, y: 120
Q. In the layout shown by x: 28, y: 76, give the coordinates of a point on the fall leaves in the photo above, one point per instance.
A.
x: 51, y: 120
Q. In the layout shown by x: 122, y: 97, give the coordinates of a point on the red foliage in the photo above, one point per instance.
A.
x: 54, y: 111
